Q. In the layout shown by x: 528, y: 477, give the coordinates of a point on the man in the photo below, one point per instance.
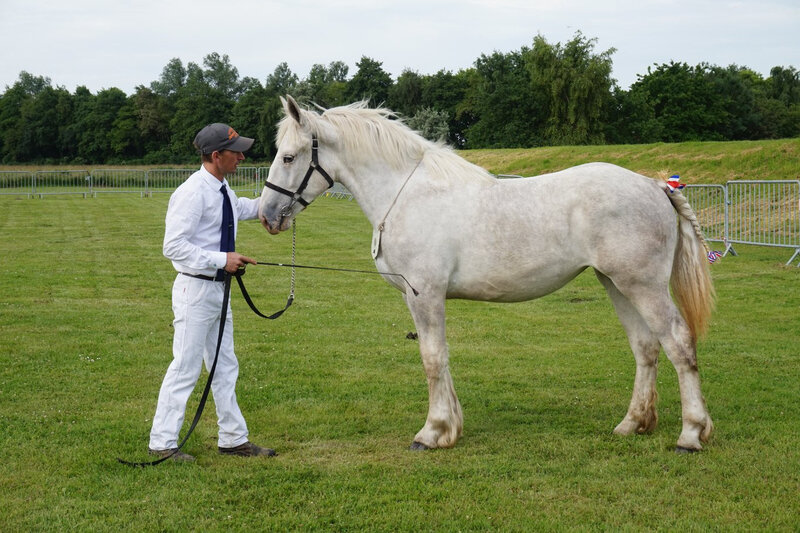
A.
x: 200, y: 241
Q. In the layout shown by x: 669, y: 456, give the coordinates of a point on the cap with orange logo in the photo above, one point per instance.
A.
x: 217, y: 136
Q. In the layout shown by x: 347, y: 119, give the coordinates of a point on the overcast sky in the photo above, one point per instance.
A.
x: 111, y: 43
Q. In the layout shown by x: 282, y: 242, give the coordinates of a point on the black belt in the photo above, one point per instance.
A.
x: 218, y: 277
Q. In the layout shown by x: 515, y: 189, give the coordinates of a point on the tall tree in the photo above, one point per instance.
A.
x: 684, y: 101
x: 370, y: 82
x: 576, y: 86
x: 405, y: 96
x: 173, y: 77
x: 125, y: 136
x: 445, y: 92
x: 281, y: 82
x: 197, y: 105
x: 16, y: 108
x: 507, y: 113
x: 153, y: 116
x: 96, y: 122
x: 246, y: 118
x: 221, y: 75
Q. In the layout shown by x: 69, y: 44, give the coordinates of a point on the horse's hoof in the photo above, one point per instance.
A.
x: 681, y: 450
x: 418, y: 447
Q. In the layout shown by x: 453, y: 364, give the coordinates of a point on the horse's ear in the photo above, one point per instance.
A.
x: 291, y: 108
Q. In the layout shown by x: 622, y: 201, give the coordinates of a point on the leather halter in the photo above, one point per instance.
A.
x: 297, y: 195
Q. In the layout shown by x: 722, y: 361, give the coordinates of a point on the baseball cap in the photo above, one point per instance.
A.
x: 217, y: 136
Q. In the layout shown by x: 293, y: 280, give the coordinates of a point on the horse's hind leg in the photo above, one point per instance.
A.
x: 654, y: 304
x: 642, y: 416
x: 445, y: 419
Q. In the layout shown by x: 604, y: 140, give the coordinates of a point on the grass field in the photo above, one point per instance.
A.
x: 338, y: 390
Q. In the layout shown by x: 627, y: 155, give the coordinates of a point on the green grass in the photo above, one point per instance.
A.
x: 337, y: 389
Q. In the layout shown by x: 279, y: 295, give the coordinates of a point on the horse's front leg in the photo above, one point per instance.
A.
x: 445, y: 419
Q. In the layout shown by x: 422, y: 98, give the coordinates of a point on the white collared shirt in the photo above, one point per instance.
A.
x: 194, y: 216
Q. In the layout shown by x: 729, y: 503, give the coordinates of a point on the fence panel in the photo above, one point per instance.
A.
x: 766, y: 213
x: 166, y: 179
x: 245, y: 181
x: 17, y: 182
x: 61, y: 182
x: 118, y: 181
x: 710, y: 204
x: 338, y: 191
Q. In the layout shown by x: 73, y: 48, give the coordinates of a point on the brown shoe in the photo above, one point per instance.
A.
x: 177, y: 456
x: 248, y: 449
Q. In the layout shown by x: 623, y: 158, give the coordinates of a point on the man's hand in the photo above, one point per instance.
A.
x: 237, y: 261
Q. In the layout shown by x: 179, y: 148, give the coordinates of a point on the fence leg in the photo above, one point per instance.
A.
x: 796, y: 253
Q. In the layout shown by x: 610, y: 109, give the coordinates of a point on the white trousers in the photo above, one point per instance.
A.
x: 196, y: 304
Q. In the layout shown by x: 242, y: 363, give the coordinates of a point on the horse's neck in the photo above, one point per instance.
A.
x: 377, y: 187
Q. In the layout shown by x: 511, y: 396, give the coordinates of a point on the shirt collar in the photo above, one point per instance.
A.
x: 212, y: 180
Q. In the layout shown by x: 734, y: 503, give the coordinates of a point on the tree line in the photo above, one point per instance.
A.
x: 540, y: 95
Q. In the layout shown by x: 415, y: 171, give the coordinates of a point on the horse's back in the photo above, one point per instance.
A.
x: 540, y: 232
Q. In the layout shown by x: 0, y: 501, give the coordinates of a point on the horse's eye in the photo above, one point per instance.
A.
x: 288, y: 159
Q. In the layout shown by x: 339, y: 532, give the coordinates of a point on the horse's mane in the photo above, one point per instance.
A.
x: 378, y: 133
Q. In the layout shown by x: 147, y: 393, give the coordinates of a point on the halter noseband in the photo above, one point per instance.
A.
x: 297, y: 195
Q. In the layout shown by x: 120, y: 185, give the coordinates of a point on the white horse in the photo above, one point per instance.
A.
x: 455, y: 231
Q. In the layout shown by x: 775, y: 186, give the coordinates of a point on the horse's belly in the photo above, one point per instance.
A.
x: 510, y: 286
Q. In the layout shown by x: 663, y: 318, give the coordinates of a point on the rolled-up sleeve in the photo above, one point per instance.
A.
x: 247, y: 208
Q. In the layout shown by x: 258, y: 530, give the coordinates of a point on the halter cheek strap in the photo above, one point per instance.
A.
x: 312, y: 166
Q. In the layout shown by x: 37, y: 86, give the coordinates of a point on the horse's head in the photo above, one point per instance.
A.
x: 296, y: 175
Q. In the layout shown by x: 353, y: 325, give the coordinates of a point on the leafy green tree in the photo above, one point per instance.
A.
x: 246, y: 118
x: 632, y: 119
x: 125, y: 135
x: 684, y: 101
x: 282, y: 81
x: 17, y: 108
x: 575, y: 84
x: 198, y: 104
x: 784, y: 85
x: 370, y: 82
x: 405, y: 96
x: 735, y: 89
x: 95, y: 124
x: 221, y: 75
x: 173, y: 78
x: 507, y: 113
x: 152, y: 118
x: 324, y: 86
x: 445, y: 91
x: 430, y: 123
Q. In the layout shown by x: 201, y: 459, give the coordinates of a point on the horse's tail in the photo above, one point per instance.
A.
x: 691, y: 276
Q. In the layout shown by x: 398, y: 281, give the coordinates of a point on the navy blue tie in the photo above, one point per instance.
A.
x: 227, y: 241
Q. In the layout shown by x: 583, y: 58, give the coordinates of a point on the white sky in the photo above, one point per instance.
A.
x: 125, y: 43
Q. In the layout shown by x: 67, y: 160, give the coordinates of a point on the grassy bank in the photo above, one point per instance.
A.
x: 696, y: 162
x: 338, y: 390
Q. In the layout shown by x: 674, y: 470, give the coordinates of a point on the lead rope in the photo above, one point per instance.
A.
x: 382, y: 223
x: 294, y: 248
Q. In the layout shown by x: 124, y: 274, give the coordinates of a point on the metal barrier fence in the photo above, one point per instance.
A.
x: 764, y: 213
x: 247, y: 180
x: 710, y: 204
